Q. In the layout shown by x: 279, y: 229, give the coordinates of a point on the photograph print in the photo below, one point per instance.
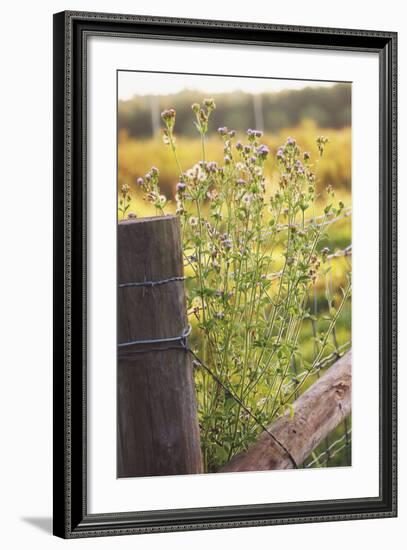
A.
x: 234, y: 248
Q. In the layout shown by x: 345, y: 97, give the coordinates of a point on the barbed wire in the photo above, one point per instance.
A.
x: 152, y: 284
x: 333, y: 449
x: 327, y: 360
x: 310, y: 221
x: 347, y: 212
x: 347, y: 251
x: 182, y: 339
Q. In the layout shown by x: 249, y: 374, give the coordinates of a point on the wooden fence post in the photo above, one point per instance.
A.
x: 157, y: 426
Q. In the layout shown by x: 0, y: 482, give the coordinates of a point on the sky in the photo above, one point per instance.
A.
x: 131, y: 83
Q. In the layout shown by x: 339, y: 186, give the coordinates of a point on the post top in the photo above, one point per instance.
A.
x: 147, y: 219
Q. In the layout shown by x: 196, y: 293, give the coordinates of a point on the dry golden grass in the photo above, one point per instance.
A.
x: 136, y: 157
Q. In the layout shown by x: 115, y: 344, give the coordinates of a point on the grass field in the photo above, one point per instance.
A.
x: 135, y: 157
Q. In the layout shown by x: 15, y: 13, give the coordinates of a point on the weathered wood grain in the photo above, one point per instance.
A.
x: 157, y: 427
x: 316, y: 413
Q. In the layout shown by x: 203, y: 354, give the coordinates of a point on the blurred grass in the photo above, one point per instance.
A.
x: 136, y: 157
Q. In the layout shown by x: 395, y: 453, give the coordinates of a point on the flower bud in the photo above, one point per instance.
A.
x: 180, y: 187
x: 209, y: 104
x: 168, y: 115
x: 263, y: 151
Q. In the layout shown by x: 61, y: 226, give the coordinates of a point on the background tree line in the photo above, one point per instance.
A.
x: 328, y: 107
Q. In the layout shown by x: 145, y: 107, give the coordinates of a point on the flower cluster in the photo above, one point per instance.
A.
x: 149, y: 186
x: 202, y: 114
x: 168, y: 117
x: 125, y: 199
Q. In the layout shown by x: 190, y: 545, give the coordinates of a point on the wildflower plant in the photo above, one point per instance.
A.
x: 124, y: 200
x: 255, y: 257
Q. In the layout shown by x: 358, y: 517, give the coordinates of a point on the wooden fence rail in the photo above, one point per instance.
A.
x: 317, y: 412
x: 157, y: 426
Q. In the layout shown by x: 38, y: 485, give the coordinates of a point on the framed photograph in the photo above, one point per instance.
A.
x: 224, y: 274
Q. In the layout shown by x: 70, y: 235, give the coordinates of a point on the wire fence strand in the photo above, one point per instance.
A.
x: 322, y: 459
x: 315, y: 222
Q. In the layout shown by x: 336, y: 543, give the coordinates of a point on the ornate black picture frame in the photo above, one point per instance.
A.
x: 71, y: 518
